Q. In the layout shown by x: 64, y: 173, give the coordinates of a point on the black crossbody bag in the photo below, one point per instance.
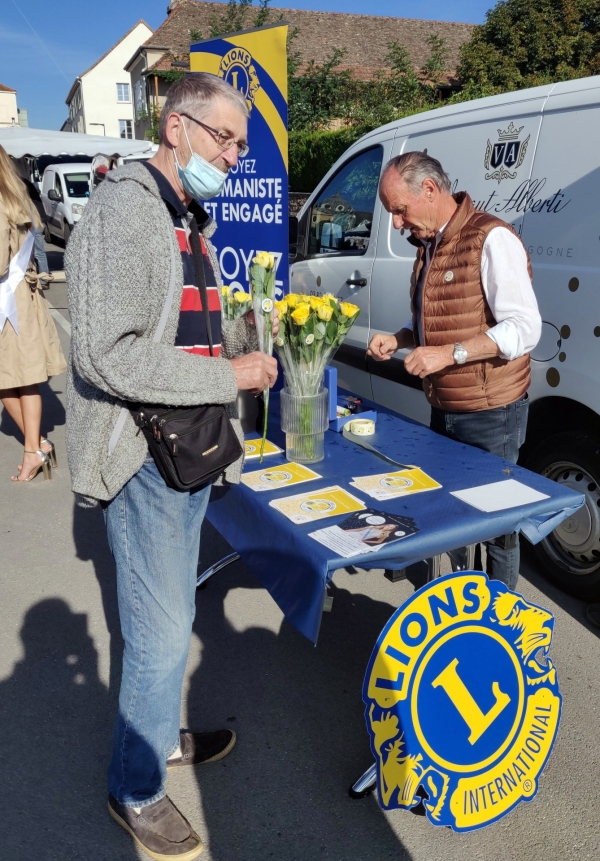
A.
x: 190, y: 446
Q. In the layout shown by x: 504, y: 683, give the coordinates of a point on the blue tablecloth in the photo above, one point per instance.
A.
x: 295, y: 569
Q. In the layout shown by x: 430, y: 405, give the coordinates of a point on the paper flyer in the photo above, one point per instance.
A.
x: 499, y: 495
x: 252, y: 448
x: 327, y: 502
x: 366, y: 532
x: 277, y: 477
x: 389, y: 485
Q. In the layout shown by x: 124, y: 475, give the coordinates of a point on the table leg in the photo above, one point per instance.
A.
x: 365, y: 784
x: 463, y: 559
x: 214, y: 569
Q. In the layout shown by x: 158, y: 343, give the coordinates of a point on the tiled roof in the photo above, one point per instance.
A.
x: 4, y: 89
x: 365, y: 37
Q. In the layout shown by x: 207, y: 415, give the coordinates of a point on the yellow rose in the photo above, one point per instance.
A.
x: 301, y: 315
x: 263, y: 258
x: 325, y: 312
x: 292, y: 299
x: 240, y: 297
x: 303, y: 299
x: 348, y: 309
x: 329, y: 297
x: 315, y: 302
x: 225, y: 291
x: 282, y: 307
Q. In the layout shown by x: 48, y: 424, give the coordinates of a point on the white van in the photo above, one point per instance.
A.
x: 532, y: 158
x: 65, y: 191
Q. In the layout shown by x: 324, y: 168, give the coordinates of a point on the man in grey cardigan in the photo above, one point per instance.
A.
x: 131, y: 244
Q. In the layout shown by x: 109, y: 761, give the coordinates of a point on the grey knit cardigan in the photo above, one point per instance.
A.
x: 119, y: 266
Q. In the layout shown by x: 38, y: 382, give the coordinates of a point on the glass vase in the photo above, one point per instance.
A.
x: 304, y: 420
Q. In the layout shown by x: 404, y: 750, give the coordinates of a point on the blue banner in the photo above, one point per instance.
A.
x: 252, y: 211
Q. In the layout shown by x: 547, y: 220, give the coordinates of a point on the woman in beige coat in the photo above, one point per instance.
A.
x: 30, y: 351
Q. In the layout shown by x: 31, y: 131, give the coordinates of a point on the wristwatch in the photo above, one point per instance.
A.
x: 460, y: 354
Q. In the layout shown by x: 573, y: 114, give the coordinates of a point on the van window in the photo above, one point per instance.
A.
x: 341, y: 217
x: 77, y: 184
x: 57, y: 185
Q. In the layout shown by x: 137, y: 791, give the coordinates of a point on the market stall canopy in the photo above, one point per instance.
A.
x: 19, y: 142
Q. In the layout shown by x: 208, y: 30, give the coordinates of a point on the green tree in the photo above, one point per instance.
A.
x: 319, y: 93
x: 526, y: 43
x: 235, y: 17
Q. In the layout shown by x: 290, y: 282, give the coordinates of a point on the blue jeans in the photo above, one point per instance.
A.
x: 500, y: 431
x: 154, y: 535
x: 40, y: 252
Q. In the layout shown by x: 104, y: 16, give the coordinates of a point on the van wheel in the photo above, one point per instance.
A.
x: 66, y: 232
x: 570, y: 555
x: 47, y: 234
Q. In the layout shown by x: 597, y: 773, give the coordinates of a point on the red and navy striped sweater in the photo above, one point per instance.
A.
x: 191, y: 332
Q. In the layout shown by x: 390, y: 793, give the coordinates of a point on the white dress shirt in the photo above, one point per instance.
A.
x: 508, y: 290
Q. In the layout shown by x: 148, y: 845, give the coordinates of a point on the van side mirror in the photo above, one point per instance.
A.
x: 293, y: 237
x: 293, y: 230
x: 54, y: 195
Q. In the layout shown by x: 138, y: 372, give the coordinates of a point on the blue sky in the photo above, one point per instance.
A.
x: 70, y: 35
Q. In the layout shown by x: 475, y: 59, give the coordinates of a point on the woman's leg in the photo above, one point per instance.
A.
x: 12, y: 404
x: 31, y: 410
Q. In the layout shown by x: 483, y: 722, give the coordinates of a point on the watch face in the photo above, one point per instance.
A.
x: 460, y: 355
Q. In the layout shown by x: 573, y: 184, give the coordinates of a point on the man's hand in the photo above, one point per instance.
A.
x: 429, y: 360
x: 254, y: 372
x: 382, y: 347
x: 252, y: 321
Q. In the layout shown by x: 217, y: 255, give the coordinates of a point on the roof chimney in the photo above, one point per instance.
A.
x: 172, y: 5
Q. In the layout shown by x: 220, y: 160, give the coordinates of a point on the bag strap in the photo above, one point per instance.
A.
x: 169, y: 300
x: 198, y: 258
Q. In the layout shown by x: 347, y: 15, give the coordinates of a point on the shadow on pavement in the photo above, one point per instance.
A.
x: 573, y: 606
x: 55, y: 727
x: 91, y: 544
x: 302, y: 740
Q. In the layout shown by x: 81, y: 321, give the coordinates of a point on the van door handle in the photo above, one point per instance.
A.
x: 356, y: 282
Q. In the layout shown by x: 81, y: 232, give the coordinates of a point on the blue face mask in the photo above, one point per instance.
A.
x: 200, y: 179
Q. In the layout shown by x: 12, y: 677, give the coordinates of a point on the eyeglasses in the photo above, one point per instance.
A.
x: 223, y: 140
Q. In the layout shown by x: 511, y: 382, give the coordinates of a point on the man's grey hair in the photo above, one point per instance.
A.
x: 416, y: 167
x: 195, y: 94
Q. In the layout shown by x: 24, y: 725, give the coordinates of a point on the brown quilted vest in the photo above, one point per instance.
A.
x: 454, y: 309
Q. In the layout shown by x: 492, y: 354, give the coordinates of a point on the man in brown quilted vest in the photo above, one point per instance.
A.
x: 474, y: 319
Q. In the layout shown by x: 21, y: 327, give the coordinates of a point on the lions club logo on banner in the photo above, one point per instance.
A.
x: 462, y: 701
x: 237, y: 67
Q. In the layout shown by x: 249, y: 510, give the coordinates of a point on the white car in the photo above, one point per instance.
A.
x: 532, y: 158
x: 65, y: 191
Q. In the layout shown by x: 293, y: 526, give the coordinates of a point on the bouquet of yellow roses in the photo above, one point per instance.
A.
x: 236, y: 303
x: 262, y: 284
x: 311, y: 328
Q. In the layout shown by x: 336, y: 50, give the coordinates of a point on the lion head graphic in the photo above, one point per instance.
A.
x: 533, y: 627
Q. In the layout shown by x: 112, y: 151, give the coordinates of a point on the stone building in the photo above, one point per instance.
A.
x: 365, y: 38
x: 10, y: 114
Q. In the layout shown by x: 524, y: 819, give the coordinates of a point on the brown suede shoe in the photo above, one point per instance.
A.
x: 198, y: 747
x: 159, y: 829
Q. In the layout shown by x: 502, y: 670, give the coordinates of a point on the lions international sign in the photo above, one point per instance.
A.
x: 462, y: 701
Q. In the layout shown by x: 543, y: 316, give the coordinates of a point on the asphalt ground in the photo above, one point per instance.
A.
x: 282, y: 792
